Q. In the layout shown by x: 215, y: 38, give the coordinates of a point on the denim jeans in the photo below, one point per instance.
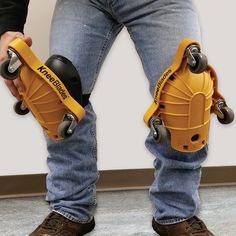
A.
x: 83, y: 31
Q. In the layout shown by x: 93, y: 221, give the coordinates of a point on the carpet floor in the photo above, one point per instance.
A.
x: 122, y: 213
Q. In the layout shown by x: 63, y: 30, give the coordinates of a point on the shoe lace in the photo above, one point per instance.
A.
x: 51, y: 222
x: 196, y: 226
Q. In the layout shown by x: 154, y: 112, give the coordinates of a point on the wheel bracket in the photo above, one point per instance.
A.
x: 189, y: 54
x: 217, y: 108
x: 15, y: 62
x: 71, y: 117
x: 155, y: 121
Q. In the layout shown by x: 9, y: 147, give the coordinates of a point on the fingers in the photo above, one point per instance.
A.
x: 16, y: 87
x: 11, y: 86
x: 8, y: 37
x: 28, y: 40
x: 19, y: 85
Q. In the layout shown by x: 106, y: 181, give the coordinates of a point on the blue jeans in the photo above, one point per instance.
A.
x: 83, y: 31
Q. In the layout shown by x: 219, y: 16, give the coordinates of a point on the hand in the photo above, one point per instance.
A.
x: 16, y: 85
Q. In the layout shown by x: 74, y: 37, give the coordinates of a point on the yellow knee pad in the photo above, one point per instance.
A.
x: 46, y: 95
x: 185, y: 96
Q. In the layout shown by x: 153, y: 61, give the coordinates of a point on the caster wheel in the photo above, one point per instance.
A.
x: 160, y: 134
x: 63, y: 129
x: 18, y: 109
x: 228, y: 115
x: 5, y: 73
x: 201, y: 63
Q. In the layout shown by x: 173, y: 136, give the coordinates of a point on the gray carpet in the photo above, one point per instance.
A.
x: 122, y: 213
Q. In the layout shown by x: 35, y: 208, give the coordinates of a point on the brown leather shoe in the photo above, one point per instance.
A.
x: 57, y: 225
x: 191, y: 227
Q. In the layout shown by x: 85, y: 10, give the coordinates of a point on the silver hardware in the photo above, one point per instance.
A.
x: 15, y: 62
x: 189, y: 54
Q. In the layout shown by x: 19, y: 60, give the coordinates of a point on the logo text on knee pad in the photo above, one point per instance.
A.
x: 159, y: 84
x: 55, y: 82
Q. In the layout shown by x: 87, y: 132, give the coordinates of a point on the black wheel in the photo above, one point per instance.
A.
x: 18, y: 109
x: 161, y: 134
x: 5, y: 73
x: 63, y: 129
x: 201, y: 63
x: 228, y: 115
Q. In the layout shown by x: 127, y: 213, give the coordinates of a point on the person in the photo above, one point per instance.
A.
x: 83, y: 31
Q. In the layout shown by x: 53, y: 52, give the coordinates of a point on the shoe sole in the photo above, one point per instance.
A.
x: 88, y: 230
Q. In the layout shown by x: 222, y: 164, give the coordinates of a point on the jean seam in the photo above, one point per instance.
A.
x: 138, y: 51
x: 70, y: 217
x: 94, y: 197
x: 95, y: 191
x: 101, y: 54
x: 109, y: 5
x: 94, y: 144
x: 172, y: 221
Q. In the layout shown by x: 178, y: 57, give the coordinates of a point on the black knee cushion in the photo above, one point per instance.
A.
x: 69, y: 76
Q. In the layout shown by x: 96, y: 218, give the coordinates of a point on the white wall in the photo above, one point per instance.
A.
x: 121, y: 131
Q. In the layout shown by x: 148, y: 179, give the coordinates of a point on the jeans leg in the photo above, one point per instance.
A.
x: 157, y: 28
x: 83, y: 32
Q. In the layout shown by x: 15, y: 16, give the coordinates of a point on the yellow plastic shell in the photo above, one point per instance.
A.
x: 183, y: 100
x: 41, y: 96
